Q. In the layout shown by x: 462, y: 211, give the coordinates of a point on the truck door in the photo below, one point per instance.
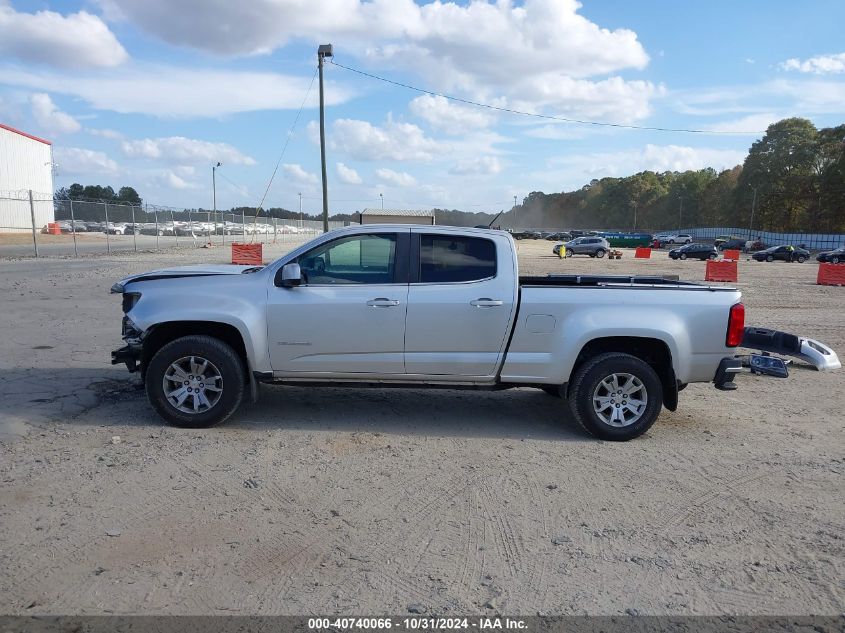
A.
x: 348, y: 315
x: 460, y: 303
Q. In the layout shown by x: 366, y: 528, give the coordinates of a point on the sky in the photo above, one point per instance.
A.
x: 153, y: 93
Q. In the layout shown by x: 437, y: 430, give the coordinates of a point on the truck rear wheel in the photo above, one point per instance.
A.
x: 616, y: 396
x: 195, y: 382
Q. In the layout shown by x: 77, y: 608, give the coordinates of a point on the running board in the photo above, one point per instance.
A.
x: 810, y: 350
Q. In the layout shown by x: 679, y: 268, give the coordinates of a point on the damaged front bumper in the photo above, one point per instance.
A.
x: 810, y: 350
x: 129, y: 354
x: 770, y: 342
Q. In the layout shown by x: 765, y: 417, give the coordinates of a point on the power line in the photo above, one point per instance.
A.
x: 287, y: 141
x: 544, y: 116
x: 240, y: 188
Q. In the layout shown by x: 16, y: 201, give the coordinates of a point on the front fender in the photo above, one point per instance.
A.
x: 244, y: 311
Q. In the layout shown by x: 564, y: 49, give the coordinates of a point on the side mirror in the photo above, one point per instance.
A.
x: 291, y: 275
x: 768, y: 366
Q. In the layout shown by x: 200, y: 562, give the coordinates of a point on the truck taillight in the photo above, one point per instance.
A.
x: 736, y: 325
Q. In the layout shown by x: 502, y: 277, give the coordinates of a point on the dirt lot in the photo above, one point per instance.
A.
x: 365, y: 502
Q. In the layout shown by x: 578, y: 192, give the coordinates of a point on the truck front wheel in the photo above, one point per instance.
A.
x: 616, y: 396
x: 195, y: 381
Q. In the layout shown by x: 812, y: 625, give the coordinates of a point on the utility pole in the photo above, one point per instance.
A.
x: 214, y: 197
x: 300, y: 210
x: 323, y: 51
x: 751, y: 223
x: 514, y: 211
x: 381, y: 195
x: 680, y: 214
x: 634, y: 204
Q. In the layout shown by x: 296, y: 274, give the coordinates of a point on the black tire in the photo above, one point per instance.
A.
x: 568, y: 253
x: 801, y: 259
x: 221, y: 356
x: 672, y: 242
x: 834, y: 260
x: 770, y: 258
x: 552, y: 390
x: 600, y: 253
x: 712, y: 256
x: 683, y: 255
x: 588, y: 378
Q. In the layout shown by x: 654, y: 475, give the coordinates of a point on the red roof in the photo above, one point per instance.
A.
x: 34, y: 138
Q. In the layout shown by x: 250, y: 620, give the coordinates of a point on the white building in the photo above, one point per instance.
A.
x: 396, y: 216
x: 26, y: 164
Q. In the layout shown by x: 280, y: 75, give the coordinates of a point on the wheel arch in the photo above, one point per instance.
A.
x: 161, y: 334
x: 653, y: 351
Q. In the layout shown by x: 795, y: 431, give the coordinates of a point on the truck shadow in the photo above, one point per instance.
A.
x: 515, y: 413
x: 41, y: 397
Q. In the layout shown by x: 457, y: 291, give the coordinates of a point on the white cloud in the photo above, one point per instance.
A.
x: 170, y: 91
x: 483, y: 165
x: 441, y: 114
x: 399, y: 179
x: 532, y: 51
x: 78, y: 40
x: 348, y: 175
x: 179, y: 149
x: 76, y: 160
x: 393, y: 141
x: 297, y: 174
x: 657, y: 158
x: 818, y: 65
x: 184, y: 171
x: 113, y: 135
x: 790, y: 97
x: 49, y: 117
x: 171, y: 179
x: 750, y: 125
x: 559, y: 131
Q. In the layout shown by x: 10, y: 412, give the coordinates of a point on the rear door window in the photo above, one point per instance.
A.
x: 449, y: 259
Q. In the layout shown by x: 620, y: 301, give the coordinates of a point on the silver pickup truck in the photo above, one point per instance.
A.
x: 435, y: 307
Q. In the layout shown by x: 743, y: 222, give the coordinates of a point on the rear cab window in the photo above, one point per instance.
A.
x: 452, y: 259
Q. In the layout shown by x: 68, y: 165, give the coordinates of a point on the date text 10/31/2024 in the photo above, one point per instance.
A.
x: 418, y: 623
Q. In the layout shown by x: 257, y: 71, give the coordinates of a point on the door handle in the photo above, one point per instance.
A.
x: 382, y: 302
x: 486, y: 303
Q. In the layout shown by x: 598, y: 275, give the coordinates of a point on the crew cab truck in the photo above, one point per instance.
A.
x: 430, y: 306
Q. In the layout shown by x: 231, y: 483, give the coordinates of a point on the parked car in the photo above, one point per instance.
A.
x: 119, y: 228
x: 724, y: 238
x: 752, y: 246
x: 233, y: 228
x: 558, y: 236
x: 735, y: 243
x: 195, y: 229
x: 694, y: 251
x: 782, y: 253
x: 832, y: 257
x: 95, y: 227
x: 678, y: 238
x: 587, y: 245
x: 204, y: 336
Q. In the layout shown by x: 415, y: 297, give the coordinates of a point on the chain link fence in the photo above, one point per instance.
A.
x: 36, y: 224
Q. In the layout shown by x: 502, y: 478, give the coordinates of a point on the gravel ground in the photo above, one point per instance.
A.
x: 373, y: 501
